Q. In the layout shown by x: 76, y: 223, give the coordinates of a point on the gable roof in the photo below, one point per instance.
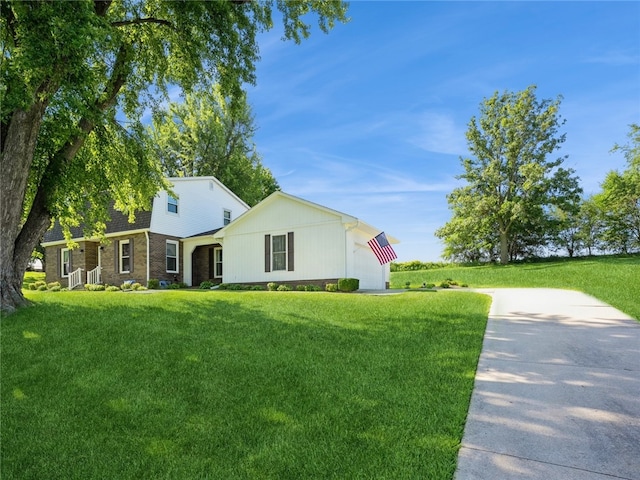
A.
x: 348, y: 220
x: 210, y: 179
x: 119, y: 223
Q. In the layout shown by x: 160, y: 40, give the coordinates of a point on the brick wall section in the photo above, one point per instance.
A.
x: 51, y: 264
x: 110, y: 257
x: 293, y: 284
x: 84, y: 256
x: 88, y: 260
x: 158, y: 260
x: 200, y: 259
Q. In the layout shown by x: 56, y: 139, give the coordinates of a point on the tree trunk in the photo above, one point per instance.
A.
x: 20, y: 135
x: 504, y: 248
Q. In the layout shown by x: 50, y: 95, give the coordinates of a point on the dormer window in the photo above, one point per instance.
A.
x: 172, y: 204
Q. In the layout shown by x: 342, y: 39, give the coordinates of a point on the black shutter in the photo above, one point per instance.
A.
x: 290, y: 251
x: 70, y: 264
x: 267, y: 253
x: 131, y: 255
x: 116, y: 264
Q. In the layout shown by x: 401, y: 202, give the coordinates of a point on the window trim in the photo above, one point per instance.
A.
x: 171, y: 203
x: 62, y: 262
x: 226, y: 219
x: 177, y: 256
x: 121, y: 257
x: 279, y: 252
x: 269, y: 252
x: 216, y: 262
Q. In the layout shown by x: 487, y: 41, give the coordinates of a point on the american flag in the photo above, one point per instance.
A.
x: 381, y: 247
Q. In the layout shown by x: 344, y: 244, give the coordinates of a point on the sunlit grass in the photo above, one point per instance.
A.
x: 237, y: 385
x: 612, y: 279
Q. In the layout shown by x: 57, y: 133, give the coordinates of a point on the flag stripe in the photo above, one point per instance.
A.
x: 382, y: 249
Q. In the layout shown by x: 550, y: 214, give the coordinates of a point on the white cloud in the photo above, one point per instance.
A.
x: 438, y: 132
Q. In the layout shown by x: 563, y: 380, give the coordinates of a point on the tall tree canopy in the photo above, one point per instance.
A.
x: 512, y: 187
x: 71, y: 70
x: 619, y: 201
x: 206, y: 135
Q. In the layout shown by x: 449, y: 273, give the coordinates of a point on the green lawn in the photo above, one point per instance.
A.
x: 237, y: 385
x: 612, y: 279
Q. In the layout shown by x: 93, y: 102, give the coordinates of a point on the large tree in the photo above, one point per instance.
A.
x: 207, y: 135
x: 512, y: 186
x: 76, y: 79
x: 619, y: 201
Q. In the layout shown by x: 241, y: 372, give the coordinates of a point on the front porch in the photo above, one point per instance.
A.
x: 202, y: 259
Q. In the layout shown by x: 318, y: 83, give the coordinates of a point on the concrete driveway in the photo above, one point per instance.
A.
x: 557, y: 391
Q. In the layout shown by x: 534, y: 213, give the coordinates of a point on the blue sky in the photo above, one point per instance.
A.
x: 371, y: 118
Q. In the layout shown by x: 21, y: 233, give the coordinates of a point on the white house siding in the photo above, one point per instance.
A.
x: 201, y: 205
x: 365, y: 265
x: 319, y: 243
x: 327, y: 244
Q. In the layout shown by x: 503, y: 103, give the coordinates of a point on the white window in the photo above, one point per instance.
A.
x: 279, y: 252
x: 172, y: 204
x: 65, y: 263
x: 217, y: 260
x: 172, y: 256
x: 226, y: 217
x: 124, y: 256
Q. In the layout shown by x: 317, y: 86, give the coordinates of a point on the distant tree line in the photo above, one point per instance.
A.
x: 518, y: 203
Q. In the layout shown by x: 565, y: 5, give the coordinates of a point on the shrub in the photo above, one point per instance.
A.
x: 53, y: 284
x: 235, y: 286
x: 135, y: 286
x: 33, y: 286
x: 39, y: 284
x: 348, y: 284
x: 173, y: 286
x: 300, y: 288
x: 55, y: 288
x: 415, y: 265
x: 125, y: 286
x: 331, y: 287
x: 444, y: 284
x: 182, y: 285
x: 206, y: 285
x: 93, y: 287
x: 257, y: 287
x: 153, y: 284
x: 312, y: 288
x: 464, y: 285
x: 42, y: 288
x: 407, y: 284
x: 429, y: 285
x: 272, y: 286
x: 284, y: 288
x: 112, y: 288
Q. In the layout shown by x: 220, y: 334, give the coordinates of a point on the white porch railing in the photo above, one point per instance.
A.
x: 75, y: 279
x: 94, y: 276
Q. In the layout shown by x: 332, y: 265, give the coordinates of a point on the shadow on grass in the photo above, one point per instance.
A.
x: 235, y: 386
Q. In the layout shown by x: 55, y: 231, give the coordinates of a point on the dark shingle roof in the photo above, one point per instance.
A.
x: 208, y: 232
x: 119, y: 223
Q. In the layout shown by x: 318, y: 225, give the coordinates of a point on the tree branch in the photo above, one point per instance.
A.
x: 138, y: 21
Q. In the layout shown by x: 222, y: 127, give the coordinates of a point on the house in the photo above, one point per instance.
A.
x: 286, y: 239
x: 151, y: 247
x: 283, y: 239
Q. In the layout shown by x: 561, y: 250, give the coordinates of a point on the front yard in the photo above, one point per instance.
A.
x: 238, y: 385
